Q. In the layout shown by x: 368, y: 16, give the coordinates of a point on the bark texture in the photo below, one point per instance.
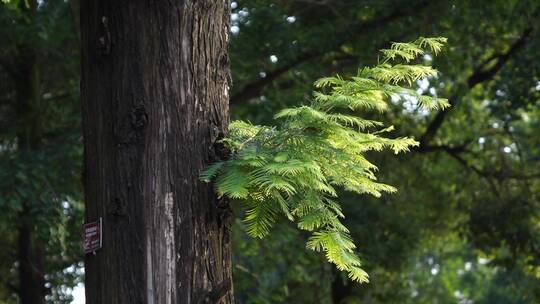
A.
x: 155, y: 100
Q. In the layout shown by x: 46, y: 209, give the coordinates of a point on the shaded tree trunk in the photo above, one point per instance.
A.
x: 155, y: 100
x: 30, y: 253
x: 29, y: 108
x: 340, y: 289
x: 31, y: 288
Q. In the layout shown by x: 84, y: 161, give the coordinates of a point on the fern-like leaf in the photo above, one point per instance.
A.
x: 293, y: 169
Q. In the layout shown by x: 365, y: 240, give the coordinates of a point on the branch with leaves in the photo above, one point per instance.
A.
x: 254, y: 89
x: 479, y: 75
x: 295, y: 168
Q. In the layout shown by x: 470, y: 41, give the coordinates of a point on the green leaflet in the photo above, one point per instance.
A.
x: 293, y: 168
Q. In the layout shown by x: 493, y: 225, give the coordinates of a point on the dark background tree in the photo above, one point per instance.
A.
x: 464, y: 224
x: 39, y: 152
x: 155, y: 79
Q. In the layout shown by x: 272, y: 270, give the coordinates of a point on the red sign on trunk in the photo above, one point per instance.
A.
x: 92, y: 236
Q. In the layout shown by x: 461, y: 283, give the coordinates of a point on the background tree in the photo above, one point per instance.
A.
x: 39, y: 152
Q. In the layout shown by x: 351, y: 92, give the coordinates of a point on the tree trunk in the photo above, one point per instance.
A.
x: 340, y: 289
x: 29, y: 109
x: 31, y: 280
x: 30, y: 248
x: 155, y: 100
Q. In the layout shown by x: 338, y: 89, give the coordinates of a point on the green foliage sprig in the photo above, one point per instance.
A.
x: 293, y: 169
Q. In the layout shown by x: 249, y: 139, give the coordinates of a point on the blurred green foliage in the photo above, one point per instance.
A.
x: 40, y: 149
x: 468, y: 194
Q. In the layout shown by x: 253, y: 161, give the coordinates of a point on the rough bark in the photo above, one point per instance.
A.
x: 155, y: 100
